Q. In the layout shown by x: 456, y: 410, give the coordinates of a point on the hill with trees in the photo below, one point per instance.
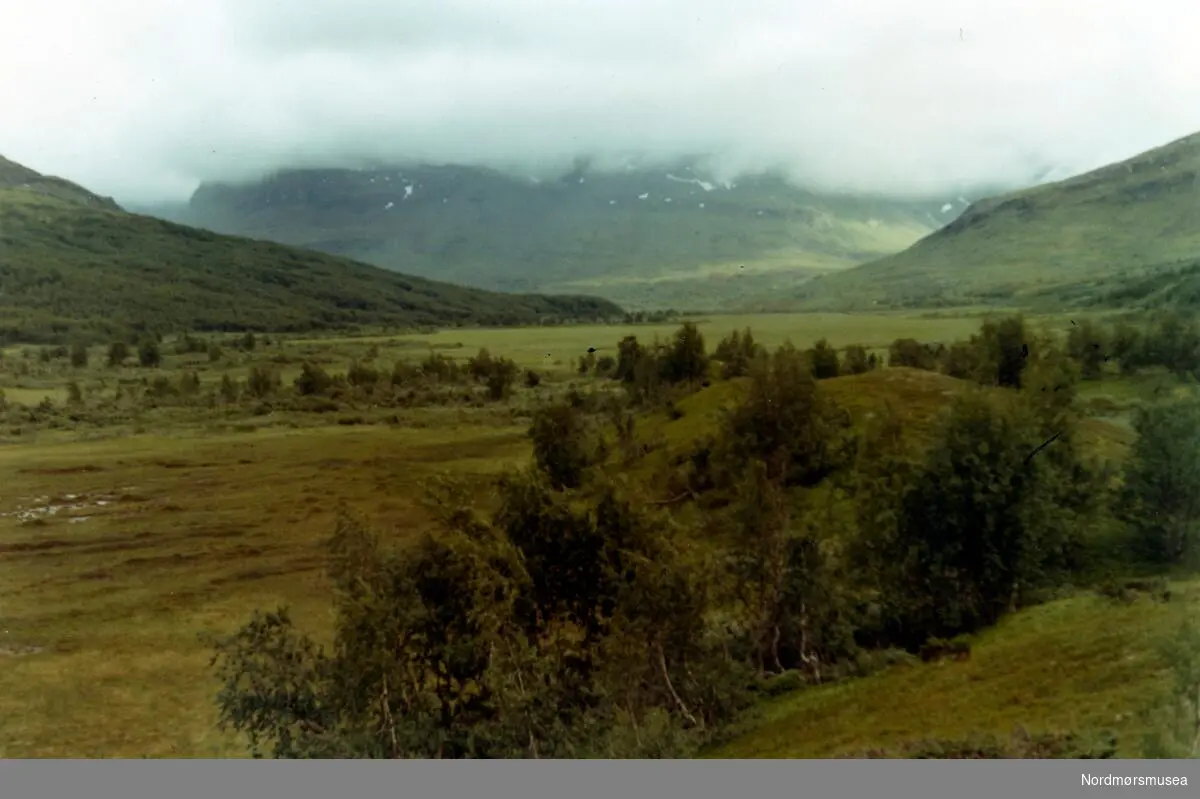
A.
x: 729, y: 532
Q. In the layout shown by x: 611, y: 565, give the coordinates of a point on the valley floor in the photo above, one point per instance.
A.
x: 119, y: 546
x: 115, y: 555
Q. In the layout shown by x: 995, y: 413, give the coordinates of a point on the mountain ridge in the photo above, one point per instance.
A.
x: 74, y: 264
x: 1087, y: 233
x: 667, y: 231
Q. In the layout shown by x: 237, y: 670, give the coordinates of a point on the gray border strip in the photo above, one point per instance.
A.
x: 718, y: 779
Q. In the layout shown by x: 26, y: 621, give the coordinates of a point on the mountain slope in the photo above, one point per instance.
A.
x: 1074, y: 239
x: 1080, y: 663
x: 14, y: 175
x: 70, y: 264
x: 641, y: 237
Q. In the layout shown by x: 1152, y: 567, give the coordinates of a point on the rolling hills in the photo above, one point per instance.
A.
x: 677, y: 237
x: 71, y: 261
x: 1092, y: 239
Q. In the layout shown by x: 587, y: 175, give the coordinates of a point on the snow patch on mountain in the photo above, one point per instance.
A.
x: 696, y: 181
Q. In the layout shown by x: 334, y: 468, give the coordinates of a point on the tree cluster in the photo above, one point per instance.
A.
x: 576, y: 616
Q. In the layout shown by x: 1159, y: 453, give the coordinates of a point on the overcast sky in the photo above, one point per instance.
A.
x: 142, y: 99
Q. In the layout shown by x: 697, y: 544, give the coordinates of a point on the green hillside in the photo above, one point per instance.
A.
x: 644, y: 238
x: 14, y: 175
x: 76, y: 263
x: 1083, y: 662
x: 1077, y: 240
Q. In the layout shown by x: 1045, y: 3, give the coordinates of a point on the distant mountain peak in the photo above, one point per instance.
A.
x: 635, y: 233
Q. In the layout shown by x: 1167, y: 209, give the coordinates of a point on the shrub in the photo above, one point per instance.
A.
x: 786, y: 423
x: 684, y: 359
x: 118, y: 351
x: 262, y: 381
x: 857, y: 361
x: 629, y: 355
x: 480, y: 366
x: 501, y: 378
x: 913, y: 354
x: 561, y: 447
x: 1002, y: 347
x: 149, y: 354
x: 1024, y: 512
x: 360, y: 375
x: 737, y: 352
x: 1088, y: 344
x: 1161, y: 495
x: 189, y: 384
x: 824, y: 360
x: 79, y: 356
x: 961, y: 360
x: 313, y: 380
x: 229, y: 389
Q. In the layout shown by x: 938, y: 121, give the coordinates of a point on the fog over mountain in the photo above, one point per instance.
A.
x: 144, y: 101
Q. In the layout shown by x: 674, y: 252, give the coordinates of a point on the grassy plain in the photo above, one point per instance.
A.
x: 124, y: 537
x: 158, y: 537
x: 562, y: 346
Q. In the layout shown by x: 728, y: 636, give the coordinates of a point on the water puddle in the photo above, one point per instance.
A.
x: 67, y: 505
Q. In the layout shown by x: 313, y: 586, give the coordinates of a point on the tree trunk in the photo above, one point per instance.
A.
x: 385, y: 706
x: 812, y: 661
x: 662, y: 664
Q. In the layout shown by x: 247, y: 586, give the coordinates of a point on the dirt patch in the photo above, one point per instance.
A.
x: 18, y: 651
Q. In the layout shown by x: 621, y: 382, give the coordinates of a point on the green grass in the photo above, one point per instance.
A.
x: 1081, y: 663
x: 537, y: 346
x: 918, y: 396
x: 1068, y: 242
x: 14, y: 175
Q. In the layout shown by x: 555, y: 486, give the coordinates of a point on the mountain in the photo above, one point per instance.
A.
x: 1094, y: 238
x: 72, y: 262
x: 669, y: 237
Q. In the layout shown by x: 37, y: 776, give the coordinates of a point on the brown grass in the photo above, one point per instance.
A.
x: 193, y: 535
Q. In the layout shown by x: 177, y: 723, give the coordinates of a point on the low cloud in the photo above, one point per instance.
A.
x: 145, y: 100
